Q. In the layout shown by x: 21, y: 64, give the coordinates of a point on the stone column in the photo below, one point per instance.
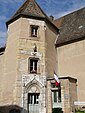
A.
x: 62, y: 99
x: 49, y: 99
x: 42, y: 101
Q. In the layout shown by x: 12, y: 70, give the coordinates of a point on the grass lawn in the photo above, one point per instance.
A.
x: 80, y: 111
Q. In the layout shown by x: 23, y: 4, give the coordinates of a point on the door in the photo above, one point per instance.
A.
x: 33, y: 102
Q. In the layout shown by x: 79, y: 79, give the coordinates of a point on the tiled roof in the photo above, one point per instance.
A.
x: 30, y: 9
x: 72, y: 27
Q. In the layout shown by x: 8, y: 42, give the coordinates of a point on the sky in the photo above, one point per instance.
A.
x: 57, y: 8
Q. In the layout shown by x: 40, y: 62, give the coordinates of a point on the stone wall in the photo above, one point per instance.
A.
x: 1, y: 76
x: 71, y: 61
x: 34, y: 84
x: 68, y: 87
x: 51, y: 54
x: 68, y: 93
x: 46, y: 51
x: 19, y: 50
x: 10, y: 64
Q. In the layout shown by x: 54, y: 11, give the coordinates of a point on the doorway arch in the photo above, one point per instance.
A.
x: 33, y: 99
x: 33, y: 95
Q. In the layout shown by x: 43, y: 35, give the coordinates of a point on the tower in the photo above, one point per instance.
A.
x: 30, y: 58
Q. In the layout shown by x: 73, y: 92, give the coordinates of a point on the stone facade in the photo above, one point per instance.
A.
x: 68, y: 94
x: 19, y: 51
x: 71, y: 48
x: 27, y: 89
x: 34, y: 84
x: 71, y: 61
x: 1, y: 75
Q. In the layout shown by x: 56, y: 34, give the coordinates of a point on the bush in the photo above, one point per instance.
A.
x: 79, y: 111
x: 57, y: 110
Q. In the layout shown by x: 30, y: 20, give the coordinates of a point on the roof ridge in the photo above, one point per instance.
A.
x: 30, y: 9
x: 72, y: 27
x: 20, y: 8
x: 23, y: 6
x: 41, y: 9
x: 70, y: 13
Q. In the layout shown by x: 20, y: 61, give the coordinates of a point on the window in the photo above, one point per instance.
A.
x: 34, y: 31
x: 56, y: 93
x: 33, y: 98
x: 53, y: 85
x: 56, y: 96
x: 33, y: 102
x: 33, y: 65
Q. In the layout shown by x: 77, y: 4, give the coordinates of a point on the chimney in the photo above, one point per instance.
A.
x: 51, y: 18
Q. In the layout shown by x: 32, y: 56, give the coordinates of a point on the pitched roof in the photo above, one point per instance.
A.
x: 30, y: 9
x: 72, y: 27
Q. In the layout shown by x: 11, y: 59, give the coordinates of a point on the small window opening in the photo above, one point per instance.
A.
x: 34, y: 31
x: 33, y: 65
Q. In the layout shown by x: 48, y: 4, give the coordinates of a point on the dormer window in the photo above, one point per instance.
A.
x: 34, y: 31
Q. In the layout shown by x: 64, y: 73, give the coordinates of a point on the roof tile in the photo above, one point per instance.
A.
x: 72, y: 27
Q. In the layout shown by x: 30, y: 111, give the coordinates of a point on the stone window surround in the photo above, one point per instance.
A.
x: 32, y: 58
x: 36, y: 36
x: 35, y: 83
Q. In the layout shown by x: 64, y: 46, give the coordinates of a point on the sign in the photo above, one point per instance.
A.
x: 79, y: 103
x: 66, y: 96
x: 37, y: 54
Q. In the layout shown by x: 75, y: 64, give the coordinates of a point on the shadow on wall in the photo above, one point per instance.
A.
x: 11, y: 109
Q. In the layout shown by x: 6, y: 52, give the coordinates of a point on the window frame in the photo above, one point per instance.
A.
x: 34, y: 30
x: 31, y: 64
x: 33, y: 98
x: 56, y: 91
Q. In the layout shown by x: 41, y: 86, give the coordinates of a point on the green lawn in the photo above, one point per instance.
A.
x: 80, y: 111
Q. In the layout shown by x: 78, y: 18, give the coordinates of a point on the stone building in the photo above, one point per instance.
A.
x: 28, y: 62
x: 71, y: 48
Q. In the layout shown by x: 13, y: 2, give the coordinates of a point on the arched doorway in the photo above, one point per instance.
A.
x: 34, y: 94
x: 33, y: 99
